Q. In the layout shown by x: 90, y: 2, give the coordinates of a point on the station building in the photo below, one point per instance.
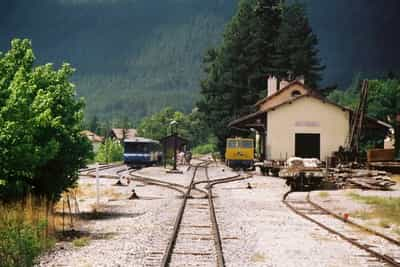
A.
x: 294, y: 120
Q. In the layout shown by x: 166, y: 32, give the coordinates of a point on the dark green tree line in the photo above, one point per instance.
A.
x: 190, y: 126
x: 41, y: 148
x: 383, y: 104
x: 265, y: 37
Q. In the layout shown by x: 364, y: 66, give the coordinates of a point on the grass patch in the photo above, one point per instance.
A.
x: 257, y: 257
x: 81, y: 242
x: 384, y: 223
x: 385, y: 208
x: 323, y: 194
x: 397, y: 231
x: 363, y: 215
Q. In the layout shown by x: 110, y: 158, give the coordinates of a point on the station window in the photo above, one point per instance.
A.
x: 296, y: 93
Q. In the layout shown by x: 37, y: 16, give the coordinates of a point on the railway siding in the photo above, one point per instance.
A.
x: 255, y: 227
x: 381, y: 248
x: 258, y: 230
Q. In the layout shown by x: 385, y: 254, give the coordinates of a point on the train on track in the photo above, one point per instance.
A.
x: 239, y: 153
x: 142, y: 152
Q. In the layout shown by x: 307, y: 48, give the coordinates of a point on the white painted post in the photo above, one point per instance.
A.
x: 97, y: 185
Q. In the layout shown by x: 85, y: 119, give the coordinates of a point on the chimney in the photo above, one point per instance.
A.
x: 283, y: 83
x: 272, y: 85
x: 300, y: 79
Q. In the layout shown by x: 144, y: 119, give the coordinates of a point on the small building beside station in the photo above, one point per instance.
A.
x: 295, y: 120
x: 95, y: 139
x: 121, y: 134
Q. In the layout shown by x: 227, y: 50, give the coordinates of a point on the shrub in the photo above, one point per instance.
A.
x: 23, y: 234
x: 110, y: 151
x: 204, y: 149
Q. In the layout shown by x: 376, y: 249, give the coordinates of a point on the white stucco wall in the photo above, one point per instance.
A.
x: 305, y: 115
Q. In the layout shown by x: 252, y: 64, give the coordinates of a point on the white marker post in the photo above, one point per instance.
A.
x: 97, y: 185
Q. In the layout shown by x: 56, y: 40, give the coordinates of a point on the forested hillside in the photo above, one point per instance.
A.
x: 133, y: 57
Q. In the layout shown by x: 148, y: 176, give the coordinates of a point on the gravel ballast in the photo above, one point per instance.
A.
x: 256, y: 228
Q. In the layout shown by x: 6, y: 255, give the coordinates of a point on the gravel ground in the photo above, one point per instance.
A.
x: 132, y: 228
x: 340, y: 202
x: 256, y: 228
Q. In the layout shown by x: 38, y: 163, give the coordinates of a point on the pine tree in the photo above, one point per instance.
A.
x: 236, y: 70
x: 264, y: 37
x: 94, y: 125
x: 296, y: 45
x: 268, y: 16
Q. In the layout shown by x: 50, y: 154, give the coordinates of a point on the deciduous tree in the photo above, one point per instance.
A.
x: 41, y: 147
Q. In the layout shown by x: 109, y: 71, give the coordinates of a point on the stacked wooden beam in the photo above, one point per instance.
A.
x: 365, y: 179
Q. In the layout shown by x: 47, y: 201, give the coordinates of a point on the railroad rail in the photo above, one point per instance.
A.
x: 185, y: 234
x: 195, y: 234
x: 378, y: 245
x: 174, y: 186
x: 91, y: 172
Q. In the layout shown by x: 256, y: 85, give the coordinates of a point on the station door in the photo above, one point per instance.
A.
x: 307, y: 145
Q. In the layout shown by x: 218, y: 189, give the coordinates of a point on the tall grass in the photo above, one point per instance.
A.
x: 24, y: 232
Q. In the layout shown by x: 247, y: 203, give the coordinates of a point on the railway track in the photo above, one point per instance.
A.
x: 195, y: 237
x: 173, y: 186
x: 379, y: 246
x: 91, y: 172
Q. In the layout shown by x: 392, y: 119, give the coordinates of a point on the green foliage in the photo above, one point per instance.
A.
x: 110, y: 151
x: 204, y: 149
x: 40, y: 122
x: 21, y: 240
x: 19, y: 244
x: 296, y: 46
x: 134, y: 57
x: 383, y: 102
x: 349, y: 97
x: 264, y: 37
x: 144, y: 80
x: 94, y: 125
x: 190, y: 126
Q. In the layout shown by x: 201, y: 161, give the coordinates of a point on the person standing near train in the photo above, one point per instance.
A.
x: 188, y: 157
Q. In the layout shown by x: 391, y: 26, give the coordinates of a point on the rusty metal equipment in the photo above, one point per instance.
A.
x: 351, y: 151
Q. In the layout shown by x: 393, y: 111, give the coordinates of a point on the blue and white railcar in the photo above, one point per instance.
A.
x: 140, y: 152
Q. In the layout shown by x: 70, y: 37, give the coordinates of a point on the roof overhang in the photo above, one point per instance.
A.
x: 254, y: 120
x: 257, y: 120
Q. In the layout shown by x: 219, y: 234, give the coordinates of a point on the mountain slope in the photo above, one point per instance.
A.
x: 133, y: 57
